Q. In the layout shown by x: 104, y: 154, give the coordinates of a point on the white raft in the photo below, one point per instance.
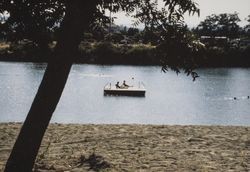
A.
x: 140, y: 90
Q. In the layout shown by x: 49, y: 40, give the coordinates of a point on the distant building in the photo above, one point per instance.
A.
x: 218, y: 41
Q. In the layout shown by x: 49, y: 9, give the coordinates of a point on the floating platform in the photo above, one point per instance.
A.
x: 139, y: 91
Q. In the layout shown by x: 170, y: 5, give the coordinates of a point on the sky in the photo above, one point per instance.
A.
x: 207, y: 7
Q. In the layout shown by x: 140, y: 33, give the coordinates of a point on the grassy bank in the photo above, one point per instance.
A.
x: 108, y: 53
x: 137, y: 148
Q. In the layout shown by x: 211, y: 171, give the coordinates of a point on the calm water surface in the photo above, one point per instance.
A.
x: 170, y: 99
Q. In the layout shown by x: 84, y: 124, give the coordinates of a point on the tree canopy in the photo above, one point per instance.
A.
x: 247, y: 27
x: 36, y: 20
x: 29, y: 18
x: 33, y: 20
x: 220, y: 25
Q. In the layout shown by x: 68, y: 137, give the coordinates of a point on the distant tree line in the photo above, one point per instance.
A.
x: 111, y: 44
x: 227, y: 43
x: 215, y: 25
x: 220, y: 25
x: 226, y: 24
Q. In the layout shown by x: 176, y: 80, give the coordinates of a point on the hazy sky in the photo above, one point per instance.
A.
x: 207, y: 7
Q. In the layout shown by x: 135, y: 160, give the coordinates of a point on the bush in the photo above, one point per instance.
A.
x: 141, y: 54
x: 106, y: 53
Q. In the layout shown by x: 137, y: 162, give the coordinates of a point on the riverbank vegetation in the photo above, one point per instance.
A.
x: 128, y: 54
x: 224, y: 44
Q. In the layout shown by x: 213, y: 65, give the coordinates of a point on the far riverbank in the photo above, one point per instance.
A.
x: 73, y: 147
x: 123, y: 54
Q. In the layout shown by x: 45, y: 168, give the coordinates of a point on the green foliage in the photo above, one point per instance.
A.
x: 180, y: 50
x: 85, y: 49
x: 220, y: 25
x: 132, y: 31
x: 35, y: 20
x: 114, y: 37
x: 109, y: 53
x: 150, y: 36
x: 221, y: 57
x: 141, y: 55
x: 87, y: 36
x: 247, y: 27
x: 106, y: 53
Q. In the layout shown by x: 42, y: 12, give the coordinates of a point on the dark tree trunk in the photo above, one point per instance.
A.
x: 78, y: 15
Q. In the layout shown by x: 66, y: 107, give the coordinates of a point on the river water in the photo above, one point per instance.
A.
x: 170, y: 99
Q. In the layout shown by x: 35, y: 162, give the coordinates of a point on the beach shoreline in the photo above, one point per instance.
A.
x: 88, y: 147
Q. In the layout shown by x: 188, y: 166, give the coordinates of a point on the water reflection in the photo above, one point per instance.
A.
x: 169, y: 99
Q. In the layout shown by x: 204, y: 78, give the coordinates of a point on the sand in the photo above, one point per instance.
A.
x: 79, y: 148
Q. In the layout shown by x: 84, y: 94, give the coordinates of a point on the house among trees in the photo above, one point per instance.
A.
x: 217, y: 41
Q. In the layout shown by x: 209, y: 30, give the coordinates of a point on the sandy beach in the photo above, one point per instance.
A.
x: 79, y: 148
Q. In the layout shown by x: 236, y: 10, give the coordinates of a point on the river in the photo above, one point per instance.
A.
x: 170, y: 99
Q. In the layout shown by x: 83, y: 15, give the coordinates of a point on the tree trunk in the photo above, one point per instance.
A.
x: 79, y: 14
